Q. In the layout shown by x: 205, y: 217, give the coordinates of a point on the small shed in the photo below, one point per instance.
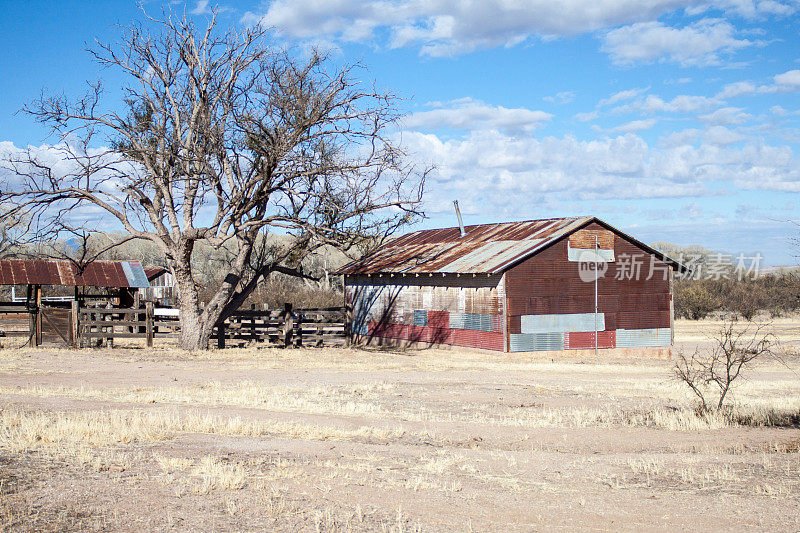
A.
x: 121, y: 279
x: 125, y: 276
x: 162, y: 286
x: 553, y: 284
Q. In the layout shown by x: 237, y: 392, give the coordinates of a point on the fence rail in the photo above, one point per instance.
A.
x: 78, y: 326
x: 285, y: 327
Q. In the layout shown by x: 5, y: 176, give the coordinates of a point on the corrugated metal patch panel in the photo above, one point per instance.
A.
x: 532, y: 342
x: 585, y: 339
x: 562, y: 322
x: 634, y: 338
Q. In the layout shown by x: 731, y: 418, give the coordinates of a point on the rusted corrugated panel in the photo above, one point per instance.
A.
x: 439, y: 319
x: 548, y: 283
x: 49, y: 272
x: 66, y: 273
x: 485, y: 340
x: 410, y: 333
x: 487, y: 248
x: 584, y: 238
x: 585, y: 339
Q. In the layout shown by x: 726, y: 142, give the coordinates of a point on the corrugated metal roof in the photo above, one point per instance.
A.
x: 486, y: 248
x: 51, y: 272
x: 154, y: 272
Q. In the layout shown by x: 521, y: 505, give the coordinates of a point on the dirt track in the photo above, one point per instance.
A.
x: 258, y: 439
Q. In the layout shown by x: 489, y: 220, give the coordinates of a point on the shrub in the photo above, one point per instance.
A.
x: 693, y: 300
x: 711, y: 375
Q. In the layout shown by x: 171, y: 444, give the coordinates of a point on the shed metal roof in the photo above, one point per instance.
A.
x: 154, y: 272
x: 53, y: 272
x: 486, y: 248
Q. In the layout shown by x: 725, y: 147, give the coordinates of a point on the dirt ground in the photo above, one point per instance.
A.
x: 329, y: 439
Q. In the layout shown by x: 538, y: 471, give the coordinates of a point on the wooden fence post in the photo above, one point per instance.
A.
x: 81, y: 327
x: 108, y: 317
x: 299, y: 325
x: 253, y: 336
x: 32, y: 326
x: 73, y: 324
x: 148, y: 323
x: 348, y: 321
x: 288, y: 324
x: 221, y: 334
x: 38, y: 293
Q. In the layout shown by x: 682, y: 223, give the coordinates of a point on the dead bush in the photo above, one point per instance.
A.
x: 710, y: 375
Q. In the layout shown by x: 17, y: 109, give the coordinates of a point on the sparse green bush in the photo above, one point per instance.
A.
x: 778, y: 294
x: 693, y: 300
x: 745, y: 298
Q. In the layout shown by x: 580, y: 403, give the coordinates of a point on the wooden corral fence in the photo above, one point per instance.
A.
x: 106, y: 324
x: 283, y: 327
x: 51, y: 322
x: 287, y: 326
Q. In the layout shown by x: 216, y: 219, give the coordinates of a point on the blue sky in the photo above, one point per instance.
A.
x: 673, y: 120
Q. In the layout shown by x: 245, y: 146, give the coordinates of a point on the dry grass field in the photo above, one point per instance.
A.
x: 379, y: 440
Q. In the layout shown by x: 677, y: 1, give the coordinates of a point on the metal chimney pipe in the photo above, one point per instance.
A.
x: 460, y: 222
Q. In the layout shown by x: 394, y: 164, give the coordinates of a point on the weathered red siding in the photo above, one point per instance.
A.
x: 549, y: 283
x: 540, y: 304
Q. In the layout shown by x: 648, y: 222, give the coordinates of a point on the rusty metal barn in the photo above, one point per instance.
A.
x: 514, y: 287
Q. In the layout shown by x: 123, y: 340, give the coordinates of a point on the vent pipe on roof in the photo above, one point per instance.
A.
x: 460, y: 222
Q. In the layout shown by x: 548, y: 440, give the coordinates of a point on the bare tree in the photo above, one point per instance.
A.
x: 13, y: 229
x: 711, y: 375
x: 223, y: 138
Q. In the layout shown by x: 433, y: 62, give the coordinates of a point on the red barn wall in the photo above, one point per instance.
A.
x: 550, y: 284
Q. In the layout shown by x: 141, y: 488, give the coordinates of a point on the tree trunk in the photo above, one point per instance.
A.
x: 196, y: 326
x: 194, y: 333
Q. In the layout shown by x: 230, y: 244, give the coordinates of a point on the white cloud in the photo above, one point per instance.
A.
x: 587, y: 117
x: 468, y: 114
x: 451, y: 27
x: 737, y: 88
x: 201, y: 8
x: 779, y: 111
x: 726, y: 115
x: 790, y: 79
x: 623, y: 95
x: 501, y: 174
x: 786, y: 82
x: 747, y: 8
x: 564, y: 97
x: 721, y: 136
x: 700, y: 43
x: 634, y: 125
x: 679, y: 138
x: 690, y: 210
x: 682, y: 103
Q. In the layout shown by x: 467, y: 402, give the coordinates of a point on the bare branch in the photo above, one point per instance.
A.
x: 224, y: 138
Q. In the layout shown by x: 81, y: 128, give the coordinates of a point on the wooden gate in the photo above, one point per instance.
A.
x: 56, y: 325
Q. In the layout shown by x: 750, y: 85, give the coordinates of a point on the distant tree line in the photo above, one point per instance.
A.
x: 725, y: 288
x: 319, y: 289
